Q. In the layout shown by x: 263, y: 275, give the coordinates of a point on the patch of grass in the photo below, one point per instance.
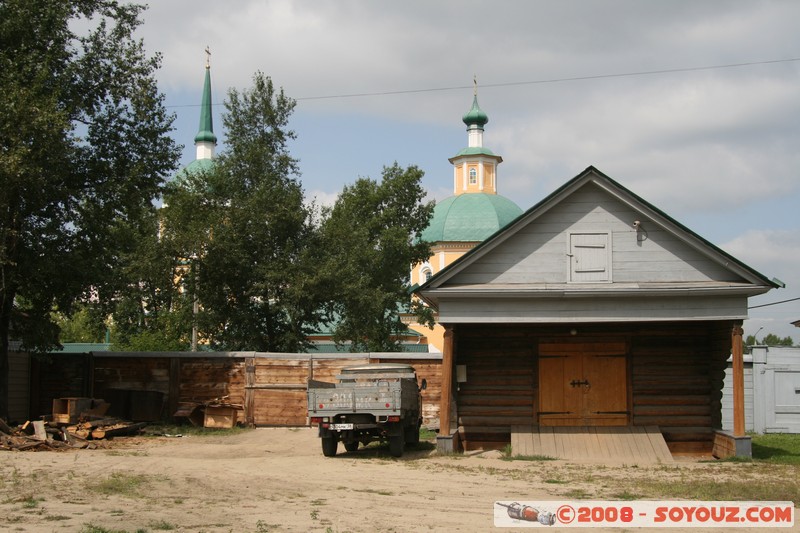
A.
x: 162, y: 525
x: 91, y: 528
x: 508, y: 455
x: 724, y: 490
x: 556, y: 481
x: 56, y: 517
x: 120, y: 484
x: 577, y: 494
x: 427, y: 434
x: 160, y: 430
x: 375, y: 491
x: 126, y: 453
x: 507, y: 451
x: 529, y: 458
x: 626, y: 495
x: 31, y: 503
x: 778, y: 448
x: 711, y: 482
x: 263, y: 527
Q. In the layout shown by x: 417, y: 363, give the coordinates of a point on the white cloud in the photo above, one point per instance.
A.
x: 775, y: 253
x: 719, y: 145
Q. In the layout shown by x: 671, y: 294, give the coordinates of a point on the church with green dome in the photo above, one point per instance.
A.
x: 205, y: 141
x: 474, y: 212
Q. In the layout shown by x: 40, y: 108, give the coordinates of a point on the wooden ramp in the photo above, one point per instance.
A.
x: 629, y: 444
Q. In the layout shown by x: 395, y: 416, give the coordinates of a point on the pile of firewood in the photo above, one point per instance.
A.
x: 43, y: 435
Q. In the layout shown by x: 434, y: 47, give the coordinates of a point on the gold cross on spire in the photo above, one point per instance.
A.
x: 475, y: 84
x: 208, y: 57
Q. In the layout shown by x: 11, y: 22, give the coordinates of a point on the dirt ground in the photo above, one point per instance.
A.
x: 268, y: 480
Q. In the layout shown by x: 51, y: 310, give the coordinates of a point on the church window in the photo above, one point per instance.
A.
x: 426, y: 274
x: 473, y: 176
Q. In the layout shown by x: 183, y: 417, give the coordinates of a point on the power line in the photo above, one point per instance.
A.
x: 559, y: 80
x: 540, y: 82
x: 774, y: 303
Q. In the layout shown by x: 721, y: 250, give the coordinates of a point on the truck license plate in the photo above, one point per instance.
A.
x: 341, y: 426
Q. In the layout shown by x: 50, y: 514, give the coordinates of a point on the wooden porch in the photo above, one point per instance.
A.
x: 629, y: 444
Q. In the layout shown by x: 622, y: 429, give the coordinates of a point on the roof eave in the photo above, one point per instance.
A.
x: 432, y: 296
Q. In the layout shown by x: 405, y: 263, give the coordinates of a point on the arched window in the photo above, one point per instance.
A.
x: 426, y: 274
x: 473, y: 176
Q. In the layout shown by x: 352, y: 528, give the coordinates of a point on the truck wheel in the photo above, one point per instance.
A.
x: 396, y: 444
x: 412, y: 434
x: 329, y: 445
x: 351, y: 446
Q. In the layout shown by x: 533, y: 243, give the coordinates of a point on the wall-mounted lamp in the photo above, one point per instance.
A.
x: 641, y: 233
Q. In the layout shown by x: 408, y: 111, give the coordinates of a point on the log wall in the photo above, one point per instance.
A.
x: 57, y: 376
x: 501, y: 386
x: 675, y: 378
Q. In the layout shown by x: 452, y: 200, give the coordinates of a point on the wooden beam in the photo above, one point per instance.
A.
x: 447, y: 382
x: 738, y: 379
x: 174, y: 395
x: 249, y: 394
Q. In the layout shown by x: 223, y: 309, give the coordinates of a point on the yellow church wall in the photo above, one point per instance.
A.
x: 434, y: 335
x: 443, y: 254
x: 488, y: 180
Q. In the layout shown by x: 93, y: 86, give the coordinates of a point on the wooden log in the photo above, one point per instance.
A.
x: 40, y: 433
x: 118, y: 430
x: 5, y: 427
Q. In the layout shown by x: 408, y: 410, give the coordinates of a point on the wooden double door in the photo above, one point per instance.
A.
x: 583, y: 383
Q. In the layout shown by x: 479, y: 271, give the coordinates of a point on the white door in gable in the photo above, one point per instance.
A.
x: 589, y: 257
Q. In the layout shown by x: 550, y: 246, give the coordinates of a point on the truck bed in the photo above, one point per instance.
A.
x: 382, y: 399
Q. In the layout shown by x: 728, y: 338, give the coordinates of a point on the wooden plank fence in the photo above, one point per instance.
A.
x: 270, y: 387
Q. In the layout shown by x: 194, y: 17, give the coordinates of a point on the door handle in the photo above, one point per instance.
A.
x: 579, y: 383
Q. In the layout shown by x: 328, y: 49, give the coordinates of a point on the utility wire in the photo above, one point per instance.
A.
x: 540, y: 82
x: 558, y: 80
x: 774, y: 303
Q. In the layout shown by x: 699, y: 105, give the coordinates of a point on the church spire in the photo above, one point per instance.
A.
x: 475, y: 119
x: 475, y: 167
x: 205, y: 140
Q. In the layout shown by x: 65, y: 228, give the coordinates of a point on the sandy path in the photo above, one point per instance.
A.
x: 269, y: 480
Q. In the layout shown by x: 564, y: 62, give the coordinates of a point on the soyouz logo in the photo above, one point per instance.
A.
x: 511, y: 513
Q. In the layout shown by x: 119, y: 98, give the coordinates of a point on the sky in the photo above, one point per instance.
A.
x: 693, y: 105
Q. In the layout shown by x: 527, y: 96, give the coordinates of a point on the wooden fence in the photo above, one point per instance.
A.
x: 270, y: 387
x: 771, y: 391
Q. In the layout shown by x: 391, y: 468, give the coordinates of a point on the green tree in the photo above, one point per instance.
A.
x: 244, y: 228
x: 369, y: 241
x: 86, y: 324
x: 770, y: 339
x: 152, y: 309
x: 84, y: 151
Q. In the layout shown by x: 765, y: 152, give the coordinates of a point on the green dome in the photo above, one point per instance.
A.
x: 470, y: 217
x: 196, y: 166
x: 475, y: 116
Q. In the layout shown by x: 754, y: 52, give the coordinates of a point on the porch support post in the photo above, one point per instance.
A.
x: 447, y: 441
x: 447, y: 382
x: 737, y: 352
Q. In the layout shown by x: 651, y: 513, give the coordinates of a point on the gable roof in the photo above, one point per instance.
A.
x: 619, y: 193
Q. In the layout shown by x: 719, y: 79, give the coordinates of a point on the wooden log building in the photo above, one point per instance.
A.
x: 593, y: 308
